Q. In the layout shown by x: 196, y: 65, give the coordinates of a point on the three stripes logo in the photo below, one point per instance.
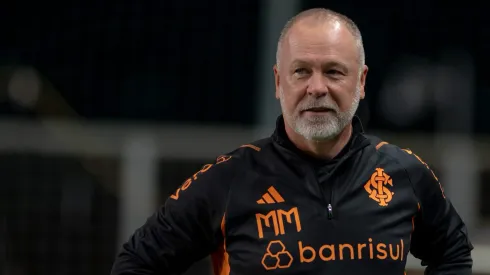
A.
x: 272, y: 196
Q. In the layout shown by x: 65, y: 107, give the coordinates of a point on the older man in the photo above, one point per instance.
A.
x: 318, y: 196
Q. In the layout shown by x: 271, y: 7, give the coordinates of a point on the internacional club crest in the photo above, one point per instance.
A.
x: 377, y: 187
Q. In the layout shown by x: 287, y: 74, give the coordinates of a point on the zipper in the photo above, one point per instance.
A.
x: 330, y: 187
x: 330, y: 211
x: 327, y: 191
x: 329, y: 195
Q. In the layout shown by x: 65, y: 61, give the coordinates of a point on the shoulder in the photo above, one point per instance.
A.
x: 252, y: 148
x: 226, y: 166
x: 209, y: 187
x: 404, y: 156
x: 246, y: 155
x: 417, y: 170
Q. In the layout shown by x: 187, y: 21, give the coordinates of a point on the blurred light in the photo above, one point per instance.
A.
x: 24, y: 87
x: 405, y: 94
x: 5, y: 73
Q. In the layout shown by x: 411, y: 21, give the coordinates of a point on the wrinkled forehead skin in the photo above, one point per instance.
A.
x: 312, y: 40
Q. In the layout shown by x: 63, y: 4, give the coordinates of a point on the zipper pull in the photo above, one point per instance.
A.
x: 330, y: 211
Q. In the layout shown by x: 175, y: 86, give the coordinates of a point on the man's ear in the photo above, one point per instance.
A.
x: 277, y: 80
x: 362, y: 81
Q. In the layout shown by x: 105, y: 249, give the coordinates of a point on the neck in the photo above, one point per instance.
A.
x: 327, y: 149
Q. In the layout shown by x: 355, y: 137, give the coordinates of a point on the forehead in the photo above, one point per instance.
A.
x: 320, y: 42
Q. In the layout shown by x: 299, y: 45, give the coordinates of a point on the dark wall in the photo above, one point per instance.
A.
x: 150, y: 60
x: 196, y: 60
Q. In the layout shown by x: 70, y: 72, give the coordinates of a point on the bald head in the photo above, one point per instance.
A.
x: 322, y: 16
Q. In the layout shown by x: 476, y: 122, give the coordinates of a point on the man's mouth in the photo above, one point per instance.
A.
x: 318, y: 110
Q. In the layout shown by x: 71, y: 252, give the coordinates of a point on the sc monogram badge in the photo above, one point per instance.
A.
x: 377, y: 187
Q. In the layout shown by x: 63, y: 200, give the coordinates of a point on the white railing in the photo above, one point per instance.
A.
x: 139, y: 146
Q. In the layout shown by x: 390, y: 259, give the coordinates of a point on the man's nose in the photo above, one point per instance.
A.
x: 317, y: 85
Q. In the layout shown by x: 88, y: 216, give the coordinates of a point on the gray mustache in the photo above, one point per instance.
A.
x: 319, y: 105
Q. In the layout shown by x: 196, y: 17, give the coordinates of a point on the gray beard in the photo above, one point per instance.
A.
x: 321, y: 128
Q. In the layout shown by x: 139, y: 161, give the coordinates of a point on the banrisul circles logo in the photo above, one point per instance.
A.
x: 276, y: 256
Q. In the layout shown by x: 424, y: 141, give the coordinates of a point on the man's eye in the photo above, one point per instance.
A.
x: 300, y: 71
x: 333, y: 72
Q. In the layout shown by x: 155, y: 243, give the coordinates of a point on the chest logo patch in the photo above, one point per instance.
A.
x: 277, y: 256
x: 378, y: 187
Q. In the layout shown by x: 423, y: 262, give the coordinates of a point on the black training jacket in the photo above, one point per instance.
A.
x: 266, y: 208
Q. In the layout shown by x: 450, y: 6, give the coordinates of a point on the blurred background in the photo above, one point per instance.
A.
x: 107, y: 106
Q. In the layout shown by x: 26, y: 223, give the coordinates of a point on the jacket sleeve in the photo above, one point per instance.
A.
x: 440, y: 238
x: 185, y: 229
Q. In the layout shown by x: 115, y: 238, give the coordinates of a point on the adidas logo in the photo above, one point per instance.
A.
x: 272, y: 196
